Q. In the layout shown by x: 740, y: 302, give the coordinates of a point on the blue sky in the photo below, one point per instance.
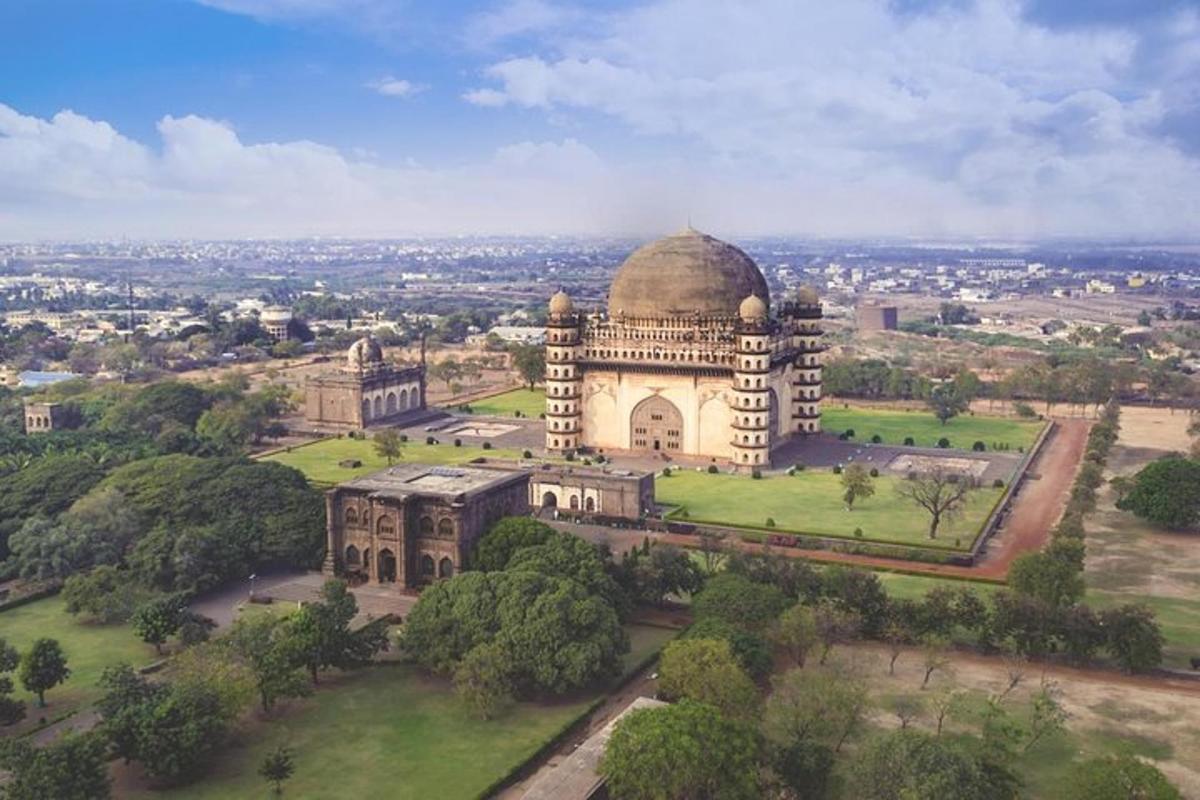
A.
x: 953, y: 118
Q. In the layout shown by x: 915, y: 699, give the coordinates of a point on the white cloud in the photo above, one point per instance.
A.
x: 518, y: 18
x: 395, y: 87
x: 995, y: 124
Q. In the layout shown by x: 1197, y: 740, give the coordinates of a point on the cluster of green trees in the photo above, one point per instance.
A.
x: 873, y: 379
x: 168, y: 523
x: 1165, y: 492
x: 40, y: 668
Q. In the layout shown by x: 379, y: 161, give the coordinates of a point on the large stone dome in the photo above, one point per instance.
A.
x: 682, y: 274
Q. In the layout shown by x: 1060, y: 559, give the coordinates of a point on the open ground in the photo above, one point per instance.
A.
x: 320, y: 460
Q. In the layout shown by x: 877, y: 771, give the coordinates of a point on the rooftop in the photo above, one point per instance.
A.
x: 406, y: 480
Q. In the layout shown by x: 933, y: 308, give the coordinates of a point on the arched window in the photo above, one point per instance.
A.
x: 574, y: 502
x: 351, y: 516
x: 392, y: 403
x: 445, y: 568
x: 589, y: 504
x: 385, y: 526
x: 427, y: 565
x: 377, y: 410
x: 426, y: 526
x: 352, y: 556
x: 445, y: 528
x: 366, y: 410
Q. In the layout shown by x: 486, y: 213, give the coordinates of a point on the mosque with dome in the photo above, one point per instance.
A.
x: 366, y: 390
x: 690, y: 359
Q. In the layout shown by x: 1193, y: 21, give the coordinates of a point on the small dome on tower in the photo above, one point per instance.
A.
x: 753, y: 309
x: 807, y: 295
x: 560, y: 304
x: 364, y: 353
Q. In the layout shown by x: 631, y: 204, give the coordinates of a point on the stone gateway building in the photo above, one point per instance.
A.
x: 367, y: 390
x: 412, y: 524
x: 689, y: 359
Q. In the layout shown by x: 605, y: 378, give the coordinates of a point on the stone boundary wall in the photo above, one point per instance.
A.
x: 993, y: 522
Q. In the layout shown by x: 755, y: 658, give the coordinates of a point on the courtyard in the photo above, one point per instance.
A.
x: 893, y: 427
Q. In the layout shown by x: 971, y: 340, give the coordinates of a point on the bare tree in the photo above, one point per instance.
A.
x: 940, y: 492
x: 945, y: 704
x: 712, y: 549
x: 935, y: 657
x: 907, y: 708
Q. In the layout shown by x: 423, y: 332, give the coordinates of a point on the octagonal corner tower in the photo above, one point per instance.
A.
x: 688, y: 362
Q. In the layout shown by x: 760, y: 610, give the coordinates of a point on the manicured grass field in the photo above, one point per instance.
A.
x: 319, y: 461
x: 529, y: 403
x: 811, y: 502
x: 914, y: 587
x: 923, y: 427
x: 89, y: 649
x: 389, y: 731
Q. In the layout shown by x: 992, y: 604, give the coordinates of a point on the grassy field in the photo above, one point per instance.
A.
x: 390, y: 731
x: 914, y: 587
x: 811, y: 502
x: 89, y: 649
x: 319, y: 461
x: 923, y: 427
x: 531, y: 403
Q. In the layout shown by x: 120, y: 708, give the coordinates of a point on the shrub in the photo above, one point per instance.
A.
x: 756, y: 474
x: 874, y: 472
x: 943, y: 442
x: 487, y: 445
x: 909, y: 441
x: 842, y: 437
x: 998, y: 483
x: 849, y: 433
x: 404, y: 437
x: 877, y: 439
x: 430, y: 440
x: 837, y: 469
x: 858, y: 533
x: 799, y: 466
x: 712, y: 469
x: 979, y: 447
x: 1025, y: 411
x: 570, y: 455
x: 458, y: 442
x: 527, y: 454
x: 770, y: 522
x: 666, y: 473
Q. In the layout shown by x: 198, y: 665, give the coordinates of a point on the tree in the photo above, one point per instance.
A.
x: 1132, y: 636
x: 277, y: 767
x: 72, y: 767
x: 1055, y: 581
x: 1047, y: 715
x: 941, y: 493
x: 483, y: 680
x: 1082, y: 633
x: 679, y: 752
x: 712, y: 550
x: 650, y: 576
x: 1122, y: 777
x: 739, y: 601
x: 815, y: 705
x: 43, y: 667
x: 1167, y: 493
x: 934, y: 657
x: 835, y: 626
x: 388, y: 445
x: 530, y: 361
x: 264, y: 645
x: 226, y: 427
x: 856, y: 484
x: 97, y: 529
x: 569, y: 556
x: 947, y: 401
x: 796, y: 632
x: 804, y: 767
x: 319, y: 635
x: 157, y: 620
x: 11, y: 711
x: 706, y: 671
x: 912, y: 763
x: 751, y: 649
x: 504, y: 538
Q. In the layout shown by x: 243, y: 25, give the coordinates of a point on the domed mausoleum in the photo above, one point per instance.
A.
x: 366, y: 390
x: 688, y: 359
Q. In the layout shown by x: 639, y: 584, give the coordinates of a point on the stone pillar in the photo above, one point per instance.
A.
x: 329, y: 566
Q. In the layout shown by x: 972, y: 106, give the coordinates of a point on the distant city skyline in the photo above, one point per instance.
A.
x: 937, y: 119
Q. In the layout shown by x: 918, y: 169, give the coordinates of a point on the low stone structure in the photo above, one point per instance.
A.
x: 44, y: 417
x: 598, y: 491
x: 412, y: 524
x: 366, y: 391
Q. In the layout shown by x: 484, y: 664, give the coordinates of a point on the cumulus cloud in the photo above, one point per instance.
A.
x: 394, y: 87
x: 999, y: 124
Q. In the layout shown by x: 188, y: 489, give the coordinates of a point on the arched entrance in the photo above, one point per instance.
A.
x: 656, y: 424
x: 549, y: 500
x: 445, y: 568
x: 772, y: 413
x: 366, y: 410
x: 387, y: 566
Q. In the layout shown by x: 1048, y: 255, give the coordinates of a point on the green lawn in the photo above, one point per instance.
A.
x: 811, y: 502
x: 89, y: 649
x: 319, y: 461
x: 389, y: 731
x: 923, y: 427
x: 531, y: 403
x: 914, y: 587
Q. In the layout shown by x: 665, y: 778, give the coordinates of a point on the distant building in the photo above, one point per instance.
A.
x: 365, y: 391
x: 877, y: 318
x: 44, y: 417
x: 1096, y: 286
x: 413, y: 524
x: 32, y: 379
x: 1136, y: 281
x: 277, y: 322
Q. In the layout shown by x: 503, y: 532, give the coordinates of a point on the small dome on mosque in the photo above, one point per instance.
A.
x: 363, y: 353
x: 560, y: 304
x: 753, y: 309
x: 807, y: 295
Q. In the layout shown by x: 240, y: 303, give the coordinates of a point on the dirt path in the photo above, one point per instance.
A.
x: 1034, y: 513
